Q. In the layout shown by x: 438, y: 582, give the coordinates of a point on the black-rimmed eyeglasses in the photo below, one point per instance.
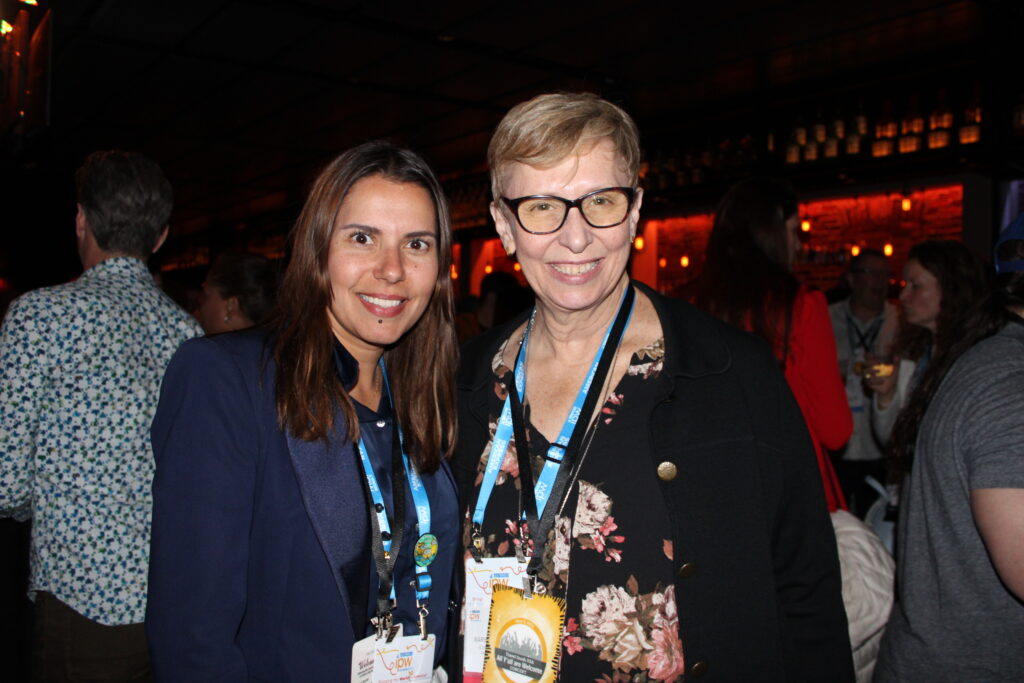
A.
x: 542, y: 214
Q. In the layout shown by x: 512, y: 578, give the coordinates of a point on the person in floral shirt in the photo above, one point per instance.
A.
x: 685, y: 532
x: 80, y: 371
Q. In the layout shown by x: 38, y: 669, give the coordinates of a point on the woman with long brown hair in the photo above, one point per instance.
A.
x: 961, y: 520
x: 304, y: 511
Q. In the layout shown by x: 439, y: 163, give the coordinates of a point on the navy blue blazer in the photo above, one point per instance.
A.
x: 258, y: 537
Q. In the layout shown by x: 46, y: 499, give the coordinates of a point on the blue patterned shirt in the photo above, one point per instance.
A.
x: 80, y: 371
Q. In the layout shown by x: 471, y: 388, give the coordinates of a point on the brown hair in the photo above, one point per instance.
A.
x: 127, y: 200
x: 421, y: 365
x: 545, y: 130
x: 746, y: 279
x: 963, y: 281
x: 249, y: 277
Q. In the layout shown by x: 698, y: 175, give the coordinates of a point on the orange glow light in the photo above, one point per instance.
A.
x: 455, y: 272
x: 685, y: 261
x: 488, y: 269
x: 805, y: 226
x: 662, y: 262
x: 854, y: 250
x: 905, y: 205
x: 5, y: 28
x: 516, y: 267
x: 638, y: 244
x: 887, y: 249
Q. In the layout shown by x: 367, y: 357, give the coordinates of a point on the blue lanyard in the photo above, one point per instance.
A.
x: 425, y: 550
x: 503, y: 432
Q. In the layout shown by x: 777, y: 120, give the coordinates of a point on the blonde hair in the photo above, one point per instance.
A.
x: 545, y: 130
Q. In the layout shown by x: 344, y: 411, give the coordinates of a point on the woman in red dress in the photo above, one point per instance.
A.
x: 748, y: 282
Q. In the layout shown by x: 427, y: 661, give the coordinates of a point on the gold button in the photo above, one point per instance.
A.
x: 699, y: 669
x: 667, y: 471
x: 688, y: 569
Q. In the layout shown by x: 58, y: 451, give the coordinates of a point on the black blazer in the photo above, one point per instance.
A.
x: 758, y: 585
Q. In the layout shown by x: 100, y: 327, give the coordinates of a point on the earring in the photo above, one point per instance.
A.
x: 227, y: 318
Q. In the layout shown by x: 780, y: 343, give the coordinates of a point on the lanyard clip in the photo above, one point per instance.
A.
x: 422, y: 606
x: 384, y: 626
x: 477, y: 544
x: 523, y: 546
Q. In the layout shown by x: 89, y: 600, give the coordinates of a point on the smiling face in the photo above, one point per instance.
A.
x: 921, y: 297
x: 382, y: 264
x: 578, y: 267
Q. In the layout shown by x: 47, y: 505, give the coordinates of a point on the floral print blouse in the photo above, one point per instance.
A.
x: 610, y: 552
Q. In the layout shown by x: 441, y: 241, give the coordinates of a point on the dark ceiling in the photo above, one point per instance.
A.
x: 243, y: 100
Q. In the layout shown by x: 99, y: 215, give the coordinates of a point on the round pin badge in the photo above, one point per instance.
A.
x: 425, y: 550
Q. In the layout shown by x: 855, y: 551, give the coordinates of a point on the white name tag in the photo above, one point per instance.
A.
x: 408, y: 659
x: 480, y: 579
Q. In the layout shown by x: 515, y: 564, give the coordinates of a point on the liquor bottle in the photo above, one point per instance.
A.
x: 970, y: 131
x: 819, y: 128
x: 911, y: 128
x: 885, y: 132
x: 886, y: 125
x: 839, y: 125
x: 940, y: 122
x: 800, y: 132
x: 811, y: 151
x: 858, y: 131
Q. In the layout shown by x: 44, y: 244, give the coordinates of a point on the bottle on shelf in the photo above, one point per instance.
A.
x: 940, y: 122
x: 970, y: 131
x: 911, y: 128
x: 855, y: 138
x: 885, y: 132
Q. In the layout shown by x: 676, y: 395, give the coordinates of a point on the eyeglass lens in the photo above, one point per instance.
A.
x: 601, y: 209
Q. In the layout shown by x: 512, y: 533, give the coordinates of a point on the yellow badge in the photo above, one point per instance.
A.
x: 524, y: 637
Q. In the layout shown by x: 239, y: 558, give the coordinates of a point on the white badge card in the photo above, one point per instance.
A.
x: 362, y: 660
x: 481, y: 577
x: 407, y: 659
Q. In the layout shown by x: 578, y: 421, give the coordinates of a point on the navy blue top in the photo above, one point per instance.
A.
x: 375, y: 428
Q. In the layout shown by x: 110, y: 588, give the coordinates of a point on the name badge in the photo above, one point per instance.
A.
x: 409, y: 659
x: 524, y: 637
x: 481, y: 578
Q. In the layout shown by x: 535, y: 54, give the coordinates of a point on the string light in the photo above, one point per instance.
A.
x: 805, y: 226
x: 854, y: 250
x: 887, y: 249
x: 685, y: 261
x: 638, y: 243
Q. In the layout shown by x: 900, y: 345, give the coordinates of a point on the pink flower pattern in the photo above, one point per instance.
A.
x: 614, y: 632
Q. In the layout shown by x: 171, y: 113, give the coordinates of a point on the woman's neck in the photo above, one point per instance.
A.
x: 574, y: 334
x: 369, y: 383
